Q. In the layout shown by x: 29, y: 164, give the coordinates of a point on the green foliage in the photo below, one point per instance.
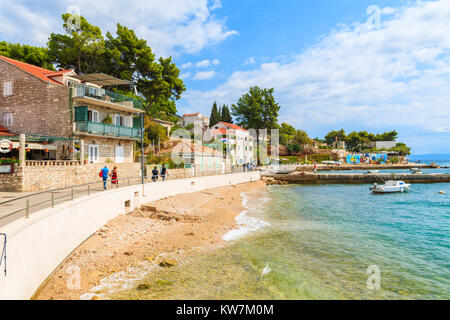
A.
x: 215, y: 115
x: 286, y: 134
x: 107, y: 119
x: 257, y: 109
x: 8, y: 161
x: 402, y: 149
x: 33, y: 55
x: 81, y: 47
x: 301, y: 138
x: 154, y: 132
x: 355, y: 140
x: 163, y: 159
x: 330, y: 138
x: 225, y: 114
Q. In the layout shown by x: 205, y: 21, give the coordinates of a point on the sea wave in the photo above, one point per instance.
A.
x: 254, y: 203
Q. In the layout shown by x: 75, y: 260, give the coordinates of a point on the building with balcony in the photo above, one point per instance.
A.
x: 72, y: 117
x: 195, y: 118
x: 238, y: 145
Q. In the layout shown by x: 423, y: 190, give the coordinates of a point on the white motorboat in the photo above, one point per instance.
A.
x: 390, y: 187
x: 373, y: 171
x: 415, y: 170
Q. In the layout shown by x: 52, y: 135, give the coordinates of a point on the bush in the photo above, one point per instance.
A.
x: 8, y: 161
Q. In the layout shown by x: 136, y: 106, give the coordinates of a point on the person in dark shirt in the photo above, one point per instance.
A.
x: 164, y: 172
x: 155, y: 174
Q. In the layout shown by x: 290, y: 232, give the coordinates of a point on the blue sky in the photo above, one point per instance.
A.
x: 330, y: 68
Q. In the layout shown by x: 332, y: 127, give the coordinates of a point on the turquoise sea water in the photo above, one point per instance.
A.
x: 320, y: 242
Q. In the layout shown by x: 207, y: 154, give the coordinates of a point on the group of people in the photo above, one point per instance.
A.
x: 156, y: 173
x: 105, y: 174
x: 248, y: 166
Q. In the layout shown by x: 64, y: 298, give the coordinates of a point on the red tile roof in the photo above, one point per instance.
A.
x: 5, y: 132
x: 191, y: 114
x: 41, y: 73
x: 233, y: 126
x: 220, y: 131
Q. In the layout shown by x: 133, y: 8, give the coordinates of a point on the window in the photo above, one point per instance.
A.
x: 93, y: 115
x: 7, y: 88
x: 93, y: 153
x: 119, y: 121
x: 8, y: 119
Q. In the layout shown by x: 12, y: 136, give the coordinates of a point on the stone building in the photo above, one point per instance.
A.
x: 69, y: 116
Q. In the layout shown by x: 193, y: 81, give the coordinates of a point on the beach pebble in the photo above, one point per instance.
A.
x: 168, y: 263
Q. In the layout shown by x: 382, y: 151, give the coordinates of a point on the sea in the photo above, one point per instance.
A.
x: 319, y: 242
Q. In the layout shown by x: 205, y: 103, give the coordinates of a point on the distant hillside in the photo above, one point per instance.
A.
x: 436, y: 157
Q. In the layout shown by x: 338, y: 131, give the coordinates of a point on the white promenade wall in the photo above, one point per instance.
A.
x: 37, y: 245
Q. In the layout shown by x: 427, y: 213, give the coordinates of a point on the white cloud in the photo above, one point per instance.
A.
x: 396, y: 76
x: 204, y: 75
x: 201, y: 64
x: 171, y: 27
x: 185, y: 75
x: 251, y: 60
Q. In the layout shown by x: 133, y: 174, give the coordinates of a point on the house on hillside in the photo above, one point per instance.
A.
x: 382, y: 145
x: 67, y: 116
x: 201, y: 158
x: 238, y: 144
x: 195, y: 118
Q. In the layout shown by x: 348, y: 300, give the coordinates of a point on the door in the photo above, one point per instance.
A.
x: 93, y: 153
x: 119, y: 154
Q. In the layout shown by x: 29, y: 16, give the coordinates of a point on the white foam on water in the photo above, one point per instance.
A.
x: 246, y: 223
x: 123, y: 280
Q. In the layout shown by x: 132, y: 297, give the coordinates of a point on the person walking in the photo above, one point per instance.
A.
x: 104, y: 175
x: 155, y: 174
x: 164, y: 172
x: 114, y: 178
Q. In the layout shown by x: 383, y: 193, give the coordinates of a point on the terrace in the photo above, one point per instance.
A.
x: 102, y: 97
x: 104, y: 129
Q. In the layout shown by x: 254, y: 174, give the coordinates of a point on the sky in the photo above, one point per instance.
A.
x: 353, y: 64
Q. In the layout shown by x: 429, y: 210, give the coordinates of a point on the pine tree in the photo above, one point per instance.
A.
x: 225, y: 115
x: 215, y: 115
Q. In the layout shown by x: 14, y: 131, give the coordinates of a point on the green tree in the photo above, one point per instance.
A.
x: 81, y: 48
x: 330, y: 138
x: 33, y: 55
x: 257, y: 110
x: 225, y: 114
x: 215, y: 116
x: 354, y: 141
x: 301, y: 138
x: 402, y: 149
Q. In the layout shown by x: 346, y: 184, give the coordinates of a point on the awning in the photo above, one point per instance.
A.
x: 101, y: 79
x: 36, y: 146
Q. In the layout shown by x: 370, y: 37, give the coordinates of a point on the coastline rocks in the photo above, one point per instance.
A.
x: 167, y: 263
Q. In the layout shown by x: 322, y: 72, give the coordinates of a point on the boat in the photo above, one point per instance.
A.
x: 390, y: 186
x: 373, y: 171
x: 415, y: 170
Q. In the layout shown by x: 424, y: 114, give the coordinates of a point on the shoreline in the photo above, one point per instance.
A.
x: 163, y: 230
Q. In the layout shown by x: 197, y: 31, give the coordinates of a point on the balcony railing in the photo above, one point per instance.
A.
x: 82, y: 90
x: 107, y: 129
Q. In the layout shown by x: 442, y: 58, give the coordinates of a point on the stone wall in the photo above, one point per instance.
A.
x: 107, y: 148
x: 37, y: 107
x: 41, y: 178
x: 11, y: 181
